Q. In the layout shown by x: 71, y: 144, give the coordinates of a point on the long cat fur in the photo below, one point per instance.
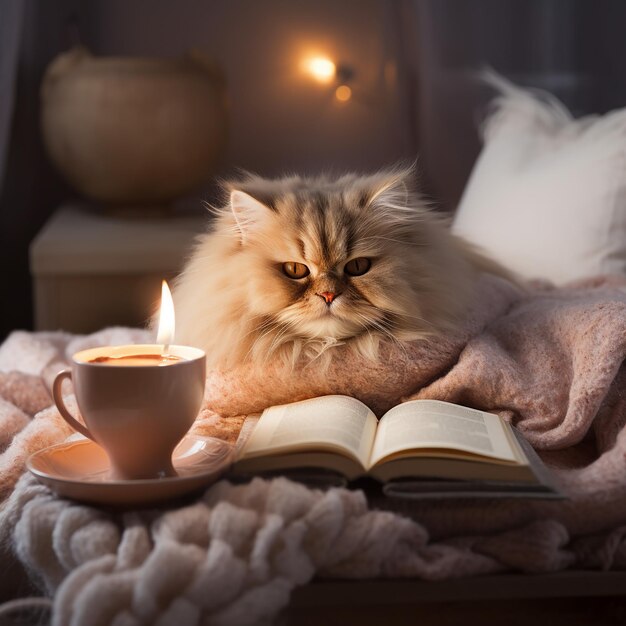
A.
x: 234, y: 300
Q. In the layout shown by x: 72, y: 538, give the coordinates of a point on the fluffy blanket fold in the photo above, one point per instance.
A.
x: 549, y: 360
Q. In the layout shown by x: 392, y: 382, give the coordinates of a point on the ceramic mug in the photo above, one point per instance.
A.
x: 138, y: 413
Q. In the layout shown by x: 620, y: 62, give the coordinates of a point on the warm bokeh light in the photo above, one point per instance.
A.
x: 343, y: 93
x: 167, y: 322
x: 321, y: 69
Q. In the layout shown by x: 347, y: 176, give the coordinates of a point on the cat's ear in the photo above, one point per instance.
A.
x: 248, y: 212
x: 392, y: 189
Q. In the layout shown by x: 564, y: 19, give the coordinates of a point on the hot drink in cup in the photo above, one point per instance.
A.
x: 137, y: 402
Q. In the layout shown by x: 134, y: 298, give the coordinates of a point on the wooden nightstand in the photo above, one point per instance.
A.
x: 92, y: 270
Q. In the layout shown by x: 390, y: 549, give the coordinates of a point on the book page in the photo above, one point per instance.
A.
x: 435, y: 424
x: 336, y: 422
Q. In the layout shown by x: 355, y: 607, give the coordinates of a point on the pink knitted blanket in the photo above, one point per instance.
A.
x: 548, y: 360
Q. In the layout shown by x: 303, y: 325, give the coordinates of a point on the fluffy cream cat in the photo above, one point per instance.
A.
x: 295, y: 266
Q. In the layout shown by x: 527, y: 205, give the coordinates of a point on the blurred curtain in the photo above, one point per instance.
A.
x: 572, y: 48
x: 32, y: 32
x: 11, y: 15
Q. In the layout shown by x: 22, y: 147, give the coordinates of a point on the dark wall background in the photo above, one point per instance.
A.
x: 280, y: 118
x: 416, y: 64
x: 31, y: 190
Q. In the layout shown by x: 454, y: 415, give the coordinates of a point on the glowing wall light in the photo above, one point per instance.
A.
x: 324, y: 70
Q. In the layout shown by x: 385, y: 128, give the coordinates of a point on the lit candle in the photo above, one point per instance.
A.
x: 167, y: 321
x: 151, y: 393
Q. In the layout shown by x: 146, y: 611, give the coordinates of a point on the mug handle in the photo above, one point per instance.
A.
x: 58, y: 400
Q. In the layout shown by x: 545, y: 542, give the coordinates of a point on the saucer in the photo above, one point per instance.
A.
x: 80, y: 470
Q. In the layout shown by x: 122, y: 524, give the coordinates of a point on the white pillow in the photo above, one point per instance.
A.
x: 547, y: 195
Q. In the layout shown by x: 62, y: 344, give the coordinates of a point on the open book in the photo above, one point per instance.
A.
x: 422, y: 448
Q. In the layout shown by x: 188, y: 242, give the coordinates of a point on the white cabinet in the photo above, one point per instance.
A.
x: 92, y: 270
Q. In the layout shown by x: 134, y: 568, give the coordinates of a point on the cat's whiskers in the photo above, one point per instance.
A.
x: 260, y: 339
x: 365, y: 326
x: 367, y: 329
x: 281, y: 328
x: 277, y: 341
x: 255, y: 328
x: 426, y: 326
x: 382, y: 328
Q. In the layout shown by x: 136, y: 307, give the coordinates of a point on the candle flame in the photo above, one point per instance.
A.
x: 167, y: 322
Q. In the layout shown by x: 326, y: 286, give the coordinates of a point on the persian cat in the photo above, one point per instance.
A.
x: 296, y: 266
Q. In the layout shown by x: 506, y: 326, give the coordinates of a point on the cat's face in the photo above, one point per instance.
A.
x: 328, y: 264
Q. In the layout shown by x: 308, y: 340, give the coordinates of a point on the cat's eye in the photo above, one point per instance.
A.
x: 357, y: 267
x: 295, y: 270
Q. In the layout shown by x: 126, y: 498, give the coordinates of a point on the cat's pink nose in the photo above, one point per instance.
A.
x: 328, y: 296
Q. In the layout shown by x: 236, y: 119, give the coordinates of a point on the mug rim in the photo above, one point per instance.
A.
x: 189, y: 354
